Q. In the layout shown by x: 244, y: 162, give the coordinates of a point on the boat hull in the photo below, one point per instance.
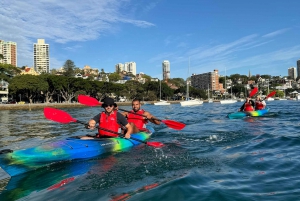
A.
x: 228, y: 101
x: 240, y: 115
x: 191, y: 103
x: 162, y: 102
x: 72, y: 148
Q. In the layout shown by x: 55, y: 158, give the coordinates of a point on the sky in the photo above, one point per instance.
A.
x: 195, y: 36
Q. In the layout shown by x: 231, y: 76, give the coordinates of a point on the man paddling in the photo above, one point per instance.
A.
x: 110, y: 119
x: 259, y: 103
x: 248, y: 105
x: 138, y: 118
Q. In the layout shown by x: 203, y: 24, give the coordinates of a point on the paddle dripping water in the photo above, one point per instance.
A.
x: 212, y: 158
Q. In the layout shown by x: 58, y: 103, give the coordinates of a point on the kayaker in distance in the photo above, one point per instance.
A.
x: 248, y: 105
x: 259, y: 103
x: 109, y: 119
x: 138, y: 118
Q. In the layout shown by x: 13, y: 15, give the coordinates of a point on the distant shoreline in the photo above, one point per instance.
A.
x: 29, y: 106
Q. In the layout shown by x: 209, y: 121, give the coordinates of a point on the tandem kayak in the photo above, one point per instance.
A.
x: 21, y: 161
x: 256, y: 113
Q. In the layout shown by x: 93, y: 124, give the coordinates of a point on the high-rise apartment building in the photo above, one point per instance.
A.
x: 9, y: 51
x: 41, y: 60
x: 166, y: 69
x: 298, y: 68
x: 119, y: 67
x: 129, y: 67
x: 292, y: 72
x: 206, y: 81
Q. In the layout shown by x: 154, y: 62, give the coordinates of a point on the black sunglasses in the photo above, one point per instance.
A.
x: 105, y: 105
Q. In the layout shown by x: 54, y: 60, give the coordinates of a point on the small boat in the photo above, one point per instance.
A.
x: 162, y: 102
x: 209, y: 99
x: 240, y: 115
x: 228, y: 101
x: 270, y: 99
x: 13, y: 163
x: 189, y: 102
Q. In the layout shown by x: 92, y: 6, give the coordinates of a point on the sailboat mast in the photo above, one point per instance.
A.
x: 187, y: 83
x: 159, y: 89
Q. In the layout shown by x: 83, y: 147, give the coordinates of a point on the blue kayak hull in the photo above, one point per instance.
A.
x: 240, y: 115
x: 72, y: 148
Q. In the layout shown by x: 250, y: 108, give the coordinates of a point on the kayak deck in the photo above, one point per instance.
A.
x: 25, y: 160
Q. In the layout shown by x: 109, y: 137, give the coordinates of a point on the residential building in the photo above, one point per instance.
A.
x: 298, y: 68
x: 29, y: 71
x: 292, y: 73
x: 166, y: 69
x: 9, y: 51
x: 41, y: 60
x: 119, y: 67
x: 3, y: 91
x: 207, y: 81
x: 130, y: 67
x: 89, y: 71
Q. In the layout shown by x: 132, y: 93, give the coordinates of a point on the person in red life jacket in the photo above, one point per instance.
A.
x: 109, y: 119
x: 248, y: 105
x: 259, y: 103
x: 138, y: 118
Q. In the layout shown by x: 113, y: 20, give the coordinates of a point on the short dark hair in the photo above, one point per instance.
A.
x: 136, y: 100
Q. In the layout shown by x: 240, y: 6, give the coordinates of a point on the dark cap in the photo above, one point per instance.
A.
x: 109, y: 101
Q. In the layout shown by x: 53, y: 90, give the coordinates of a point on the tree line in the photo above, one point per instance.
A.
x: 48, y: 87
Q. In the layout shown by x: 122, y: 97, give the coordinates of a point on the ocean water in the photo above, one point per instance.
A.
x: 212, y: 158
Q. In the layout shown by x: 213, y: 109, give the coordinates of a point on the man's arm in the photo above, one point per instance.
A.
x: 92, y: 122
x: 123, y: 121
x: 242, y: 108
x: 151, y: 118
x: 124, y: 114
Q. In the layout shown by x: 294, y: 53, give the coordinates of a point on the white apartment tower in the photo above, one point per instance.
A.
x: 166, y: 69
x: 131, y: 67
x: 9, y: 51
x: 41, y: 61
x: 292, y: 72
x: 119, y: 67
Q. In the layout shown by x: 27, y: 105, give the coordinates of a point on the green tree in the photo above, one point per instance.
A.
x: 30, y: 86
x: 147, y: 77
x: 102, y: 75
x: 114, y: 77
x: 69, y: 68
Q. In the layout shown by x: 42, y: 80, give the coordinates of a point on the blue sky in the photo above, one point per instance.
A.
x: 258, y: 35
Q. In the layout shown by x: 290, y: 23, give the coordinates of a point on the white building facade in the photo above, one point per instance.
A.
x: 292, y: 73
x: 166, y: 69
x: 41, y: 60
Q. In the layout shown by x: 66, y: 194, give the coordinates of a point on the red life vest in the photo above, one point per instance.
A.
x: 138, y: 120
x: 259, y: 105
x: 108, y: 122
x: 248, y: 107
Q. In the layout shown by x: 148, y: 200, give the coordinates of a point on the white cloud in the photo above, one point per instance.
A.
x: 275, y: 33
x: 59, y: 21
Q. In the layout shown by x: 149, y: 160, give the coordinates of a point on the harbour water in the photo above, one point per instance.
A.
x: 212, y: 158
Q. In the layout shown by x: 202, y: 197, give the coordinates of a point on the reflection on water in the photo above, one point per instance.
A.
x: 212, y: 158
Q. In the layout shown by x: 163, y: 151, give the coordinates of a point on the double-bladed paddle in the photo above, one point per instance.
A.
x: 65, y: 118
x: 253, y: 92
x: 90, y: 101
x: 270, y: 95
